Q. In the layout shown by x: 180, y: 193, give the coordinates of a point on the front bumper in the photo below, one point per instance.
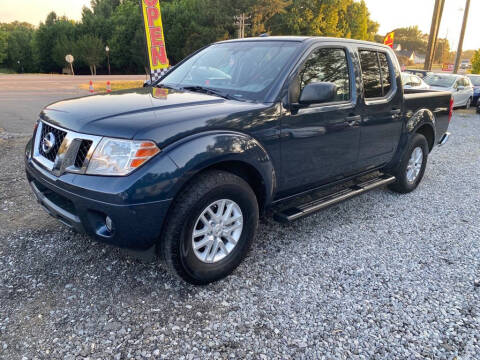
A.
x: 136, y: 226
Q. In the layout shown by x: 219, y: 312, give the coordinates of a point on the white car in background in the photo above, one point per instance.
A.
x: 459, y: 85
x: 411, y: 81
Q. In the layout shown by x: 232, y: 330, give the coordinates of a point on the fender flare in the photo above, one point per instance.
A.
x: 198, y: 152
x: 415, y: 120
x: 419, y: 118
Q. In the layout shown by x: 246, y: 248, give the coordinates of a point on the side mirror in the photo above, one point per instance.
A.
x: 460, y: 88
x: 318, y: 92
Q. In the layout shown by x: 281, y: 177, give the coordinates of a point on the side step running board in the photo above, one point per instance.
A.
x: 297, y: 212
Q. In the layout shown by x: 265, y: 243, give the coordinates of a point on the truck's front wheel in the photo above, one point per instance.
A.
x: 411, y: 168
x: 210, y: 227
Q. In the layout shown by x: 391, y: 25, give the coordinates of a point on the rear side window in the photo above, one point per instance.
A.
x: 386, y: 78
x: 377, y: 80
x: 324, y: 65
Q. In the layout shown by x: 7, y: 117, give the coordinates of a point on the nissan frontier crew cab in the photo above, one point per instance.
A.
x: 272, y: 125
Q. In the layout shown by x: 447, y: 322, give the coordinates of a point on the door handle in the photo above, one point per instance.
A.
x: 353, y: 120
x: 396, y: 112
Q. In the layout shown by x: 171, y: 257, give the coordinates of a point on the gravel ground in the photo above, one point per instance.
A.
x: 380, y: 276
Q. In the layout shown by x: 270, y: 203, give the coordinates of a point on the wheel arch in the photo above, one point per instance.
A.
x: 228, y: 151
x: 423, y: 122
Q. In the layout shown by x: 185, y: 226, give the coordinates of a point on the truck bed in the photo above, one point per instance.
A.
x: 436, y: 101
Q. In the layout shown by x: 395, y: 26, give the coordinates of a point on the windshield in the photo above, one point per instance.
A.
x: 475, y: 80
x: 242, y: 70
x: 445, y: 81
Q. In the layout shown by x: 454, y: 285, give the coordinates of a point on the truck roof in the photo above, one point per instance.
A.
x: 305, y: 39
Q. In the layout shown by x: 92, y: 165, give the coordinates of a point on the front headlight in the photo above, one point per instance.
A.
x: 115, y: 157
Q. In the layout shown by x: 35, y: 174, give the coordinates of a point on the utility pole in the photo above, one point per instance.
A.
x: 462, y: 35
x: 442, y: 4
x: 240, y: 22
x: 433, y: 36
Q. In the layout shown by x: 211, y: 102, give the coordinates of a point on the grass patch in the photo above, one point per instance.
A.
x: 100, y: 86
x: 7, y: 71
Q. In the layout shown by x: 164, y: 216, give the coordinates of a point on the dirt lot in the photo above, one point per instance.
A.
x: 380, y: 276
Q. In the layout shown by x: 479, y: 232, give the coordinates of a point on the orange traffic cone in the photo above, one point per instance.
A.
x: 109, y: 87
x: 90, y: 88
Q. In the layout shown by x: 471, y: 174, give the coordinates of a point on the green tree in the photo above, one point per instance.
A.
x: 411, y: 38
x: 192, y: 24
x: 128, y: 40
x: 63, y: 47
x: 97, y: 20
x: 20, y: 53
x: 90, y: 50
x: 3, y: 45
x: 261, y: 11
x: 476, y: 62
x: 442, y: 51
x: 337, y: 18
x: 47, y: 36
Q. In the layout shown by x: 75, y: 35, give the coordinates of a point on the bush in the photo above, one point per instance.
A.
x: 476, y: 62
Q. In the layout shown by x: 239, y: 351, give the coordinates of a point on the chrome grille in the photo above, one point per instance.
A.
x: 82, y: 153
x: 71, y: 151
x: 58, y: 134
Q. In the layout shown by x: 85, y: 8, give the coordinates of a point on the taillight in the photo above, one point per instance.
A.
x: 450, y: 110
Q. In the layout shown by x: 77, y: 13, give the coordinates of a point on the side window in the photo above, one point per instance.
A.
x: 386, y: 78
x: 324, y: 65
x: 371, y: 74
x: 377, y: 80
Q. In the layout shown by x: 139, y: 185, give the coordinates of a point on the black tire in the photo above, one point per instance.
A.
x: 468, y: 104
x: 402, y: 185
x: 176, y: 248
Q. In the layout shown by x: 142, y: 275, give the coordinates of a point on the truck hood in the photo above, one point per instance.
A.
x: 147, y: 113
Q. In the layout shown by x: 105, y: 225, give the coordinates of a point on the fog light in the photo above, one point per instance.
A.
x: 109, y: 224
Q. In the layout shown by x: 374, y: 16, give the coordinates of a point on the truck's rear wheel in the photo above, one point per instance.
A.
x: 410, y: 170
x: 210, y: 227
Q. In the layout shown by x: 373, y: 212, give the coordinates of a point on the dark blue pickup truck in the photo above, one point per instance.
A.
x: 273, y: 125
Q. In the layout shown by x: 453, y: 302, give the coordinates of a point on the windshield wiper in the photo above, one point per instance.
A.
x: 209, y: 91
x: 166, y: 86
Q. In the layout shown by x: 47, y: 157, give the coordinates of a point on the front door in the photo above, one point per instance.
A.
x: 382, y: 109
x: 320, y: 141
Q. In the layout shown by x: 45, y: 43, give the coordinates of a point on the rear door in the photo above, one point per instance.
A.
x: 320, y: 141
x: 460, y: 93
x: 382, y: 108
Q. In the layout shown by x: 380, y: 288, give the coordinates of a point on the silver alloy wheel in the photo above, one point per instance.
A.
x: 414, y: 164
x: 217, y: 231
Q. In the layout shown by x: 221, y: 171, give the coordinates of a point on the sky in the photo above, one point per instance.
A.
x: 389, y: 13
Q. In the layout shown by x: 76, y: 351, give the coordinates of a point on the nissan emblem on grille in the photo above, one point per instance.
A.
x: 48, y: 143
x: 60, y: 150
